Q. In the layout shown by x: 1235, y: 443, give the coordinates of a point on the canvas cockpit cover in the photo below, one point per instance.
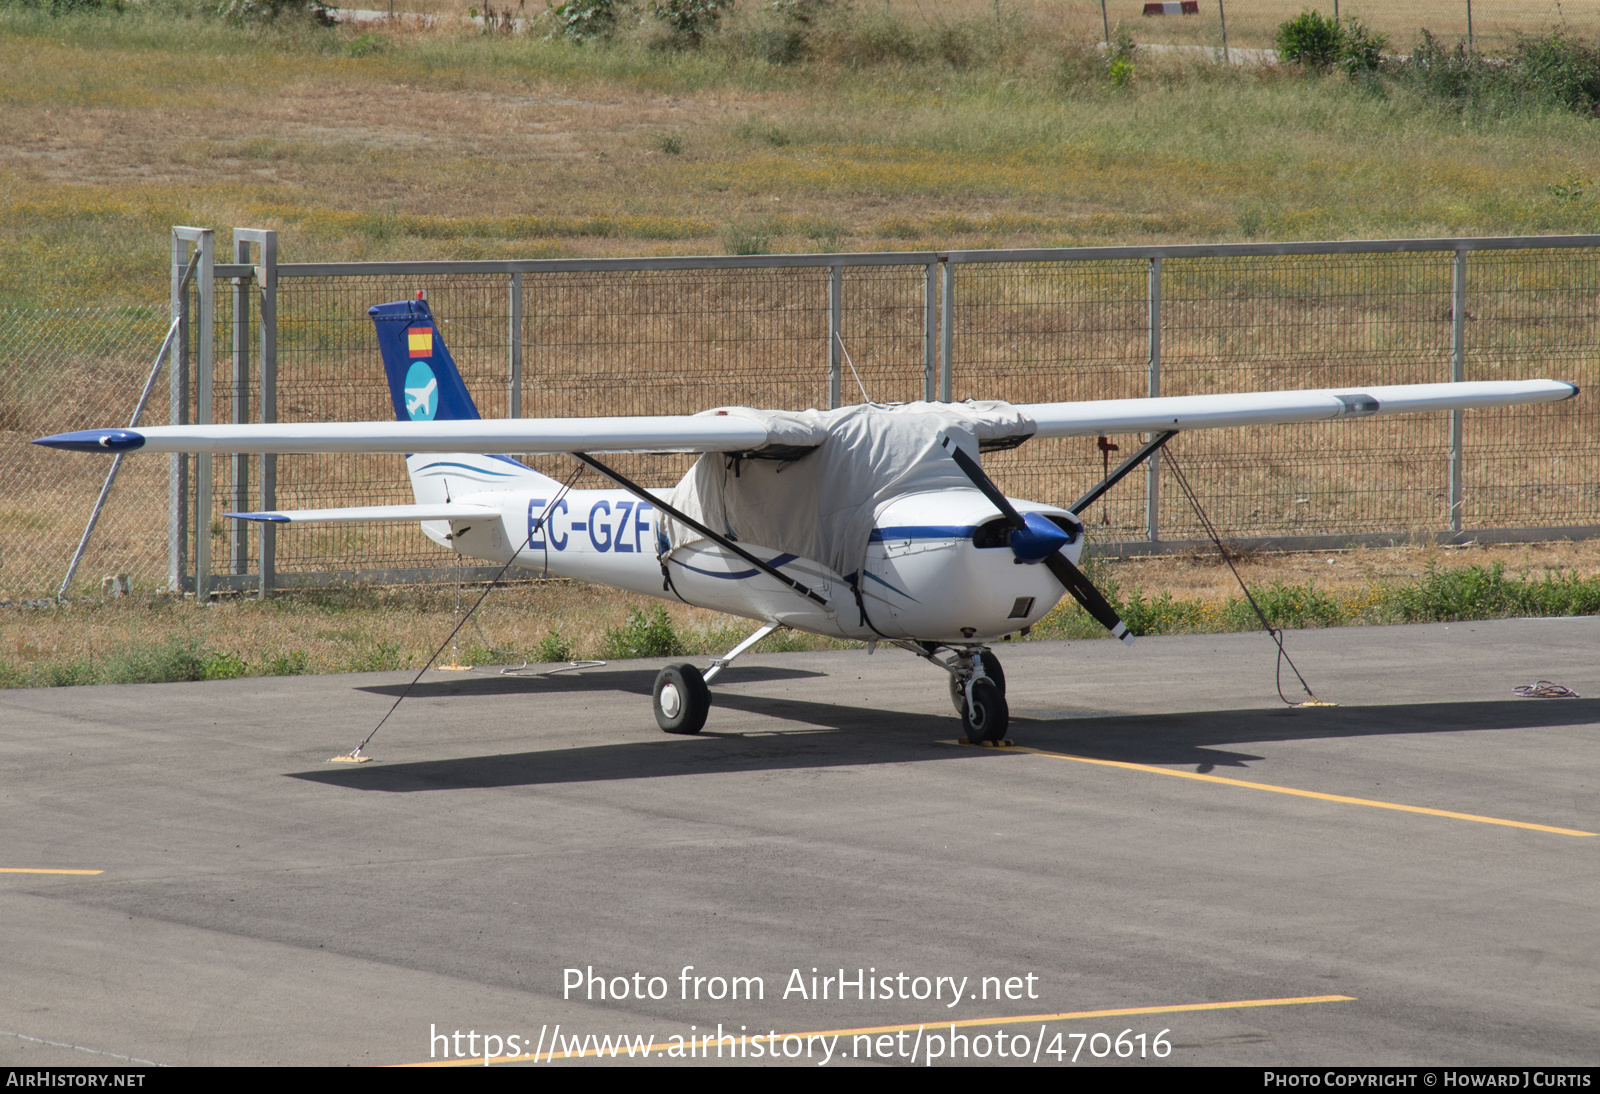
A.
x: 822, y: 506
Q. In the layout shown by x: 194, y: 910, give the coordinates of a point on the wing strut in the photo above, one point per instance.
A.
x: 1123, y: 468
x: 722, y: 541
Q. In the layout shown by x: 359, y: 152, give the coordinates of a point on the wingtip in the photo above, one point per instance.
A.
x: 94, y: 440
x: 270, y: 518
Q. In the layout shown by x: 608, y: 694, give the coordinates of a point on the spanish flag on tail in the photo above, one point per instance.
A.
x: 420, y: 341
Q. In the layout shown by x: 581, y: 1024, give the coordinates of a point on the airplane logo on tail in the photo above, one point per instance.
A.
x: 422, y: 392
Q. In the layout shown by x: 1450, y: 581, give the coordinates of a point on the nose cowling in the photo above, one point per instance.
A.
x: 1038, y: 539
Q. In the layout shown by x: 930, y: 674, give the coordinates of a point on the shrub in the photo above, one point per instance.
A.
x: 1559, y: 68
x: 1554, y: 71
x: 584, y: 20
x: 1119, y: 57
x: 689, y: 20
x: 269, y: 11
x: 293, y: 663
x: 1360, y: 50
x: 223, y: 666
x: 643, y: 635
x: 749, y: 237
x: 553, y: 647
x: 1310, y: 39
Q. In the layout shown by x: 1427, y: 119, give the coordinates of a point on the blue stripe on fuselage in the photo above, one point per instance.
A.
x: 469, y: 467
x: 922, y: 531
x: 779, y: 560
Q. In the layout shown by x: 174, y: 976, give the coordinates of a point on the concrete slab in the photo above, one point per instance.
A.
x: 260, y: 905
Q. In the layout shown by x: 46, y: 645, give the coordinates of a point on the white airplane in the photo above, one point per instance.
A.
x: 873, y: 522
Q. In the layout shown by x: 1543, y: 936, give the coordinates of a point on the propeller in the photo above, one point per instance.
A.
x: 1035, y: 538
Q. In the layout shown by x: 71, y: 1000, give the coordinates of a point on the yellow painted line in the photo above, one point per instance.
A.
x: 1066, y: 1016
x: 31, y: 870
x: 1292, y: 790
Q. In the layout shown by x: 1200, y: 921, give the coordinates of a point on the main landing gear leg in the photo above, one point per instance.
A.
x: 681, y: 698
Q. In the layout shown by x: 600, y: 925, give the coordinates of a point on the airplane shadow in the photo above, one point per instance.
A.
x: 634, y: 681
x: 845, y: 736
x: 1193, y: 737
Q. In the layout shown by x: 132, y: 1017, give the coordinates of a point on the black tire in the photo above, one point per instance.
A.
x: 991, y: 669
x: 681, y: 689
x: 988, y: 717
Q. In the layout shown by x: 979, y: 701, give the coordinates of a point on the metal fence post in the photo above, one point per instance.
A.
x: 239, y: 464
x: 930, y: 334
x: 266, y: 278
x: 1458, y: 373
x: 514, y: 404
x: 205, y: 284
x: 178, y: 414
x: 1152, y: 487
x: 835, y: 344
x: 947, y: 322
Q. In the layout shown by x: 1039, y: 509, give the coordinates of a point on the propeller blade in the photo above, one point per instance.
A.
x: 985, y: 484
x: 1081, y: 588
x: 1084, y: 592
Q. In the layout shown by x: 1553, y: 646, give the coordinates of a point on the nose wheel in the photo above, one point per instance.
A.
x: 987, y: 664
x: 986, y: 716
x: 978, y: 692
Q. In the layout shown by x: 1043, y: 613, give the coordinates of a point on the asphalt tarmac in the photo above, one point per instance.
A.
x: 257, y: 904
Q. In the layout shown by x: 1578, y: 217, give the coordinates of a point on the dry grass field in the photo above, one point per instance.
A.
x: 444, y: 142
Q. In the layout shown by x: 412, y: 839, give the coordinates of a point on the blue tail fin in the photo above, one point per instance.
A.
x: 425, y: 387
x: 423, y: 381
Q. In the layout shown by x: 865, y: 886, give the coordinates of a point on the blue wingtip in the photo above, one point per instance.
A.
x: 95, y: 440
x: 271, y: 518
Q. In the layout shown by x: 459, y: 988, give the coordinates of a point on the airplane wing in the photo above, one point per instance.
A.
x: 731, y: 432
x: 1185, y: 412
x: 369, y: 513
x: 667, y: 433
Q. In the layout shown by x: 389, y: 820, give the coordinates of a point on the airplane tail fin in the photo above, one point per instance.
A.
x: 425, y: 386
x: 423, y: 380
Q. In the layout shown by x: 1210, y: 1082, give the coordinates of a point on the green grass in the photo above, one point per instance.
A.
x: 162, y: 662
x: 1467, y: 593
x: 1440, y: 596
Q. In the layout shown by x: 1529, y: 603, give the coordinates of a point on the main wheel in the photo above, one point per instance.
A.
x: 988, y: 716
x: 682, y: 699
x: 990, y: 668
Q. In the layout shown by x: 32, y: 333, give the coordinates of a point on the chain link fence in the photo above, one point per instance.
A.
x: 564, y: 338
x: 59, y: 369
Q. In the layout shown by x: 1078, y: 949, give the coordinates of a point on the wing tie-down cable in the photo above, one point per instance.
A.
x: 1274, y: 633
x: 354, y: 756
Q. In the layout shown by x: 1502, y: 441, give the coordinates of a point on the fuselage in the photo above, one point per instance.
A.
x: 937, y: 568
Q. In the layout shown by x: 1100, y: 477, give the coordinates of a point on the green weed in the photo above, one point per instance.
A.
x: 645, y: 634
x: 552, y: 648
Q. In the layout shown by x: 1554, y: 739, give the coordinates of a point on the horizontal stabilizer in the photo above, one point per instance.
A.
x: 368, y: 513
